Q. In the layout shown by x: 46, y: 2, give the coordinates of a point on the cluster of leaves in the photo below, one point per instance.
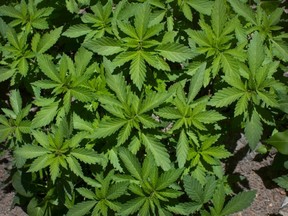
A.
x: 124, y: 107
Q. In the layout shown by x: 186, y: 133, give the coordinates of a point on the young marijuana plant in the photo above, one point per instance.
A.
x: 128, y: 102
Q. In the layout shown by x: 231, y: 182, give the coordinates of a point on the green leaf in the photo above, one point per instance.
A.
x: 86, y: 156
x: 31, y: 151
x: 243, y: 10
x: 108, y: 127
x: 54, y: 168
x: 174, y: 52
x: 40, y: 163
x: 142, y: 17
x: 158, y: 150
x: 23, y: 66
x: 282, y: 181
x: 6, y: 73
x: 132, y: 206
x: 77, y: 31
x: 202, y: 6
x: 48, y: 40
x: 86, y: 193
x: 225, y: 97
x: 241, y: 105
x: 239, y: 202
x: 104, y: 46
x: 182, y: 149
x: 138, y: 69
x: 152, y: 101
x: 82, y: 94
x: 117, y: 190
x: 256, y: 53
x: 74, y: 166
x: 48, y: 68
x: 196, y: 82
x: 253, y: 130
x: 218, y: 17
x: 280, y: 141
x: 131, y: 163
x: 82, y: 208
x: 80, y: 124
x: 41, y: 138
x: 16, y: 101
x: 280, y: 49
x: 193, y: 189
x: 167, y: 178
x: 45, y: 115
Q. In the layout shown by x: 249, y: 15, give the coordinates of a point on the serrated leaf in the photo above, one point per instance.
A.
x: 241, y: 105
x: 40, y: 163
x: 202, y: 6
x: 77, y: 30
x: 138, y: 69
x: 279, y: 141
x: 117, y: 190
x: 82, y: 208
x: 15, y: 101
x: 142, y: 20
x: 239, y: 202
x: 54, y: 169
x: 74, y: 166
x: 282, y: 181
x: 31, y: 151
x: 218, y: 17
x: 108, y: 127
x: 269, y: 99
x: 174, y: 52
x: 23, y: 66
x: 209, y: 116
x: 80, y: 124
x: 87, y: 156
x: 196, y: 82
x: 48, y: 68
x: 280, y: 49
x: 132, y: 206
x: 86, y: 193
x: 104, y: 46
x: 41, y: 138
x: 253, y: 130
x: 225, y: 97
x: 193, y: 189
x: 82, y: 94
x: 158, y: 150
x: 182, y: 149
x: 256, y: 52
x: 131, y: 163
x: 152, y: 101
x: 243, y: 10
x: 45, y: 115
x: 167, y: 178
x: 6, y: 73
x: 48, y: 40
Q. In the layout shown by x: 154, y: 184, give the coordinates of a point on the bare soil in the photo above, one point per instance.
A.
x: 253, y: 170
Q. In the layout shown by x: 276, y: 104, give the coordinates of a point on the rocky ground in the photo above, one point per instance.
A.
x: 255, y: 171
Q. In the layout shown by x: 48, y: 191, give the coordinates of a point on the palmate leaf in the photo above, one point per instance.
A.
x: 81, y: 93
x: 253, y: 130
x: 174, y: 52
x: 167, y: 178
x: 54, y: 168
x: 193, y: 189
x: 40, y: 163
x: 158, y: 151
x: 86, y: 193
x: 282, y: 181
x: 6, y: 73
x: 117, y: 190
x: 239, y: 202
x: 80, y: 124
x: 142, y: 19
x: 186, y: 208
x: 74, y: 166
x: 209, y: 116
x: 280, y: 49
x: 225, y: 97
x: 241, y: 105
x: 82, y: 208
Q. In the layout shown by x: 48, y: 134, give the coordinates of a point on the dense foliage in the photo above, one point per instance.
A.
x: 133, y: 107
